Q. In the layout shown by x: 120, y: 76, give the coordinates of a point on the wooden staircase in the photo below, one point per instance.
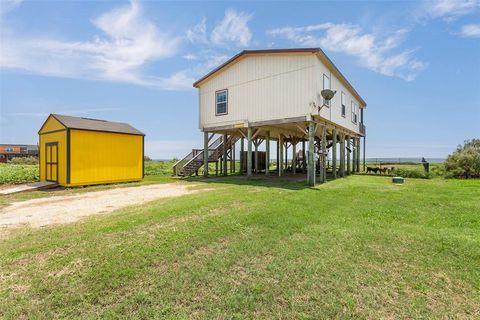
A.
x: 194, y: 160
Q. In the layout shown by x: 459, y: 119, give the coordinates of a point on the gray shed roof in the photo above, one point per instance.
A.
x: 96, y: 125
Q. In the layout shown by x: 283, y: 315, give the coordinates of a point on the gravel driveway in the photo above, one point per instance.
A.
x: 66, y: 209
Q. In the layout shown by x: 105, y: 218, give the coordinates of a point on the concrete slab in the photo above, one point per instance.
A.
x: 27, y: 187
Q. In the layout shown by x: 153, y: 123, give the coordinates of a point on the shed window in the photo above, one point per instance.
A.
x: 326, y: 85
x: 221, y: 102
x: 344, y: 104
x: 354, y: 112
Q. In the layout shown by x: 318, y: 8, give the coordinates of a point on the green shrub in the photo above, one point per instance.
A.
x: 18, y: 173
x: 437, y: 170
x: 24, y: 160
x: 156, y: 168
x: 406, y: 173
x: 465, y: 161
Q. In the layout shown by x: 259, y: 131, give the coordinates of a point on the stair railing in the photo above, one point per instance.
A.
x: 181, y: 163
x: 197, y: 154
x: 211, y: 149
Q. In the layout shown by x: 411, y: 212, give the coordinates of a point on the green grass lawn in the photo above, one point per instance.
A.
x: 18, y: 173
x: 358, y: 247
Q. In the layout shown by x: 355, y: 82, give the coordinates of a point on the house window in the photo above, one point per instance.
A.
x: 326, y: 85
x: 354, y: 112
x: 221, y: 102
x: 344, y: 103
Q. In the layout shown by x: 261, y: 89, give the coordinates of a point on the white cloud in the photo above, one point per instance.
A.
x: 448, y: 9
x: 199, y: 32
x: 190, y: 56
x: 128, y: 42
x: 470, y: 31
x: 211, y: 62
x: 205, y: 61
x: 372, y: 51
x: 179, y: 80
x: 233, y: 29
x: 8, y: 5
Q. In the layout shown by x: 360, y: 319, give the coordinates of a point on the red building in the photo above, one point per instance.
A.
x: 9, y: 151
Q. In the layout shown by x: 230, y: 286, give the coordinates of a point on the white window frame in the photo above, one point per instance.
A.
x: 327, y: 102
x: 217, y: 103
x: 354, y: 108
x: 343, y: 110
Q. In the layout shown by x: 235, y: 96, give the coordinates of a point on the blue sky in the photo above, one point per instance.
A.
x: 417, y: 64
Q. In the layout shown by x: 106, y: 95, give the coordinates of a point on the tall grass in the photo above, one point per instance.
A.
x: 18, y: 173
x: 158, y: 168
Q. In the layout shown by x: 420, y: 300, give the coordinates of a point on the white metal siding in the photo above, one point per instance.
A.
x: 260, y: 88
x: 269, y: 87
x: 334, y: 113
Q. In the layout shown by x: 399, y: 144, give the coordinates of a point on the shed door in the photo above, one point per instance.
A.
x: 51, y: 161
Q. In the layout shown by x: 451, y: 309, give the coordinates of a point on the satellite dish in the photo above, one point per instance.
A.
x: 328, y: 94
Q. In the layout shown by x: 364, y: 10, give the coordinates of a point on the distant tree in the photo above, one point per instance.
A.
x: 465, y: 161
x: 147, y: 158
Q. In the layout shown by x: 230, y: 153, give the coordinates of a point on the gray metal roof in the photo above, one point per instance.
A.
x: 96, y: 125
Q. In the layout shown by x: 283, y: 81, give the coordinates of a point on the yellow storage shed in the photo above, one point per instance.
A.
x: 81, y: 151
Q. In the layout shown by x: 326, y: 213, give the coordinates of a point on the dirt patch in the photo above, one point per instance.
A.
x: 66, y: 209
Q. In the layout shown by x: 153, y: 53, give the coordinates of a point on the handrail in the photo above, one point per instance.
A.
x: 218, y: 141
x: 180, y: 161
x: 198, y: 153
x: 191, y: 160
x: 187, y: 158
x: 362, y: 128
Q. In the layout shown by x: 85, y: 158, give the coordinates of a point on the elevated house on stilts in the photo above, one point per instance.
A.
x: 263, y: 96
